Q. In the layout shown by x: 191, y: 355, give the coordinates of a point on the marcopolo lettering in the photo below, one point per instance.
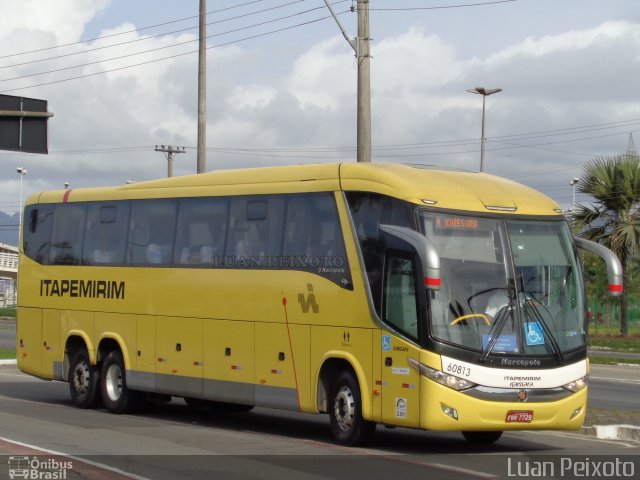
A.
x: 82, y: 289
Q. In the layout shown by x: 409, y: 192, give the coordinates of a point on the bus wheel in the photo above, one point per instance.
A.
x: 115, y: 394
x: 345, y: 413
x: 485, y: 438
x: 83, y: 380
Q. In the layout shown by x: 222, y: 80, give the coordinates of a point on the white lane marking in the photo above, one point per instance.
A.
x: 615, y: 380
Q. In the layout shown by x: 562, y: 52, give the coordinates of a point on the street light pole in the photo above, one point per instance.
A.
x: 22, y: 172
x: 485, y: 92
x: 573, y: 182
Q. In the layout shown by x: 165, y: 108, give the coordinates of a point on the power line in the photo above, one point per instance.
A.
x: 128, y: 31
x: 443, y: 7
x: 128, y: 42
x: 252, y: 37
x: 163, y: 47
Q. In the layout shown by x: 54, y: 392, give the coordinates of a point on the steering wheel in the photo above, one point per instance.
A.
x: 471, y: 315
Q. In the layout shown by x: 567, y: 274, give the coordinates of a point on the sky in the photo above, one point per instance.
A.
x: 121, y: 77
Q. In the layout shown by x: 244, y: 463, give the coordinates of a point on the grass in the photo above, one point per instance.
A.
x: 616, y: 342
x: 7, y: 353
x: 8, y: 312
x: 613, y: 361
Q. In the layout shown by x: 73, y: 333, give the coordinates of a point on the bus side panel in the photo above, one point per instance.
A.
x: 300, y: 336
x: 29, y: 341
x: 53, y: 348
x: 179, y: 366
x: 228, y: 361
x: 275, y: 381
x: 144, y: 376
x: 80, y: 324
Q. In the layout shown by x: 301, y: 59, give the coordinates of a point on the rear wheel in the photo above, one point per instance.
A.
x: 480, y: 438
x: 345, y: 412
x: 83, y: 380
x: 113, y: 381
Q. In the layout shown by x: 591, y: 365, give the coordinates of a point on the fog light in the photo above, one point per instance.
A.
x: 449, y: 411
x: 575, y: 413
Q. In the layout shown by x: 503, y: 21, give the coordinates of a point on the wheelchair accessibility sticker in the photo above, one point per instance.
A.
x: 533, y: 333
x: 386, y: 343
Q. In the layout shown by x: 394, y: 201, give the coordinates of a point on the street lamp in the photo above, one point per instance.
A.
x: 22, y: 172
x: 573, y: 183
x: 485, y: 92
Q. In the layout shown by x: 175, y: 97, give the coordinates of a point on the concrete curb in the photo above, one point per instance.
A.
x: 618, y: 432
x: 9, y: 362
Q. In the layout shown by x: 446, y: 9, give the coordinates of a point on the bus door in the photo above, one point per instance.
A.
x: 400, y: 388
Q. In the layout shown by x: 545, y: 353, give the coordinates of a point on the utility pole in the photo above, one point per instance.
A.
x: 169, y: 150
x: 364, y: 82
x: 202, y: 89
x: 362, y: 47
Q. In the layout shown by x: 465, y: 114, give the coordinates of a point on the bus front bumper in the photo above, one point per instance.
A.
x: 444, y: 408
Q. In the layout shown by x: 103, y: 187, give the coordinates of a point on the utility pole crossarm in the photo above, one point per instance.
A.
x: 351, y: 41
x: 169, y: 150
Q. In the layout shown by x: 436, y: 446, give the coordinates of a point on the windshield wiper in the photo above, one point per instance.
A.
x: 531, y: 307
x: 499, y: 323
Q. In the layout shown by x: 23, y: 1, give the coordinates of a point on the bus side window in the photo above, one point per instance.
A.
x: 68, y: 232
x: 106, y: 234
x: 312, y: 227
x: 255, y: 229
x: 151, y: 232
x: 37, y: 232
x: 400, y: 300
x: 201, y: 232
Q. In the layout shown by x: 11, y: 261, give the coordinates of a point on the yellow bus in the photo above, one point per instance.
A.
x: 402, y: 295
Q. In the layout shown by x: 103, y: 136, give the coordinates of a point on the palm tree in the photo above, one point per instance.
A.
x: 614, y: 217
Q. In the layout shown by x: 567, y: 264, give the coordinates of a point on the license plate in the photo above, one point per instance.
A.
x: 519, y: 416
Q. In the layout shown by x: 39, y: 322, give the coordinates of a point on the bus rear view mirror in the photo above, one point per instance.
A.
x: 426, y: 251
x: 614, y: 267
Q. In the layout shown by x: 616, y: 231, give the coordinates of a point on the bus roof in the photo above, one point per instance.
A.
x: 430, y: 186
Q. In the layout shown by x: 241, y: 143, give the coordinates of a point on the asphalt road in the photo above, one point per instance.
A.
x: 174, y: 441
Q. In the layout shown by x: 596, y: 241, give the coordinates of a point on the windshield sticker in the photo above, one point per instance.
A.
x: 505, y: 344
x: 533, y: 333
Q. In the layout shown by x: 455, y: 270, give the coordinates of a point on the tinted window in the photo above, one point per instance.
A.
x: 37, y: 226
x: 400, y: 306
x: 201, y: 231
x: 151, y: 232
x: 255, y: 231
x: 106, y: 234
x: 313, y: 238
x: 68, y: 232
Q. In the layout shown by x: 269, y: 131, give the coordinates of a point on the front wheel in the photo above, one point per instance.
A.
x: 115, y: 394
x: 345, y: 413
x: 482, y: 438
x: 83, y: 380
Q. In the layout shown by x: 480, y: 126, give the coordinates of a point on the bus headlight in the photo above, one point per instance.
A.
x: 576, y: 385
x: 441, y: 377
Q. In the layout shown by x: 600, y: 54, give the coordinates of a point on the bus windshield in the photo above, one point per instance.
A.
x: 509, y: 287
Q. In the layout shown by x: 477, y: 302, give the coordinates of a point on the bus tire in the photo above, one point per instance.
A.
x: 117, y: 398
x: 84, y: 379
x: 345, y: 412
x: 482, y: 438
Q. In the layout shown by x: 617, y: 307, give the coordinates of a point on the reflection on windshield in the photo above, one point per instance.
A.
x: 507, y: 287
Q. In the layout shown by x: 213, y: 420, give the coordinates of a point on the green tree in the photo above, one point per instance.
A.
x: 613, y: 219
